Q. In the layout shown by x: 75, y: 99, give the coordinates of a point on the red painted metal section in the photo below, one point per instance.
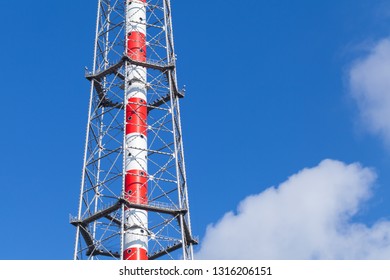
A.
x: 136, y: 190
x: 136, y: 116
x: 135, y: 254
x: 136, y: 47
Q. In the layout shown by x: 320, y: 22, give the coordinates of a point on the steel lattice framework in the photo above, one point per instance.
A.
x: 109, y: 220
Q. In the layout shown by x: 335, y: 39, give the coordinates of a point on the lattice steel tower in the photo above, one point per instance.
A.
x: 133, y: 200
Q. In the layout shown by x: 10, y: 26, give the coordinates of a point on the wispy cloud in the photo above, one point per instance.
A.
x: 369, y: 80
x: 306, y: 217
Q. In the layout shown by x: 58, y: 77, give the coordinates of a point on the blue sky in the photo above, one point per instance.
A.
x: 268, y: 94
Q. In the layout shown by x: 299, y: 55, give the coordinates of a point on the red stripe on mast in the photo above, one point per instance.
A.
x: 136, y: 47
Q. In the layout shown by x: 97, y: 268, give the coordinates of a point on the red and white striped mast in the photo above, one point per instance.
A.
x: 136, y: 220
x: 133, y: 201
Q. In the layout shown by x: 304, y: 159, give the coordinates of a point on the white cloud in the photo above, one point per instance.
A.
x: 369, y: 79
x: 306, y: 217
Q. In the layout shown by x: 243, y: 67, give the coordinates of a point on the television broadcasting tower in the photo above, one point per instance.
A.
x: 134, y: 201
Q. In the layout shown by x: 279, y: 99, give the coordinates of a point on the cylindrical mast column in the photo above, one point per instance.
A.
x: 136, y: 221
